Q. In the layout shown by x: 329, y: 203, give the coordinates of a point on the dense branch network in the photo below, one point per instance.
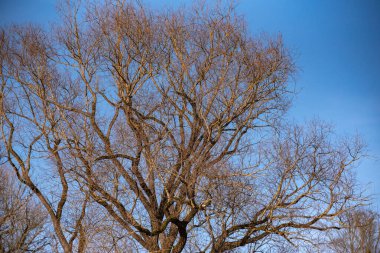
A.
x: 159, y: 124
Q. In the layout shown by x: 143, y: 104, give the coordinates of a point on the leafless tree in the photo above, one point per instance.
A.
x: 171, y: 124
x: 361, y: 233
x: 22, y: 221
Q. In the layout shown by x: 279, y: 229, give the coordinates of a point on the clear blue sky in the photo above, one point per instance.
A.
x: 337, y: 49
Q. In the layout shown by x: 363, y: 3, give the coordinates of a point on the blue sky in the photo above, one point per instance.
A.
x: 337, y: 50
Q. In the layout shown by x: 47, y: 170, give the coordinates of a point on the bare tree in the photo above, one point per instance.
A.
x: 361, y: 233
x: 170, y: 123
x: 22, y: 221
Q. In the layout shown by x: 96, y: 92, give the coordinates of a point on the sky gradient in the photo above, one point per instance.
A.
x: 336, y: 47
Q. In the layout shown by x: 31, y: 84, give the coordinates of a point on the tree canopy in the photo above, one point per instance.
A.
x: 164, y: 132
